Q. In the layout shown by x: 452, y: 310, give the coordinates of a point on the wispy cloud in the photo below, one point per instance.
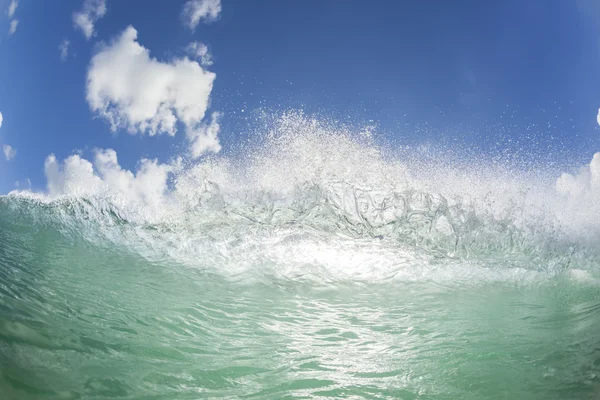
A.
x: 9, y: 152
x: 12, y: 7
x: 92, y: 11
x: 13, y: 26
x: 199, y: 51
x: 195, y: 11
x: 63, y: 47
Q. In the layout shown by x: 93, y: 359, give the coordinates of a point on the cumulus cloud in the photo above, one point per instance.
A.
x: 204, y: 138
x: 12, y: 7
x: 199, y: 51
x: 138, y: 93
x: 195, y: 11
x: 74, y: 176
x: 584, y: 184
x: 78, y: 176
x: 85, y: 19
x: 9, y: 152
x: 598, y: 117
x: 1, y: 119
x: 63, y: 48
x: 13, y: 26
x: 581, y: 193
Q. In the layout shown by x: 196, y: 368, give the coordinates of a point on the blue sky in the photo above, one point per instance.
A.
x: 491, y: 76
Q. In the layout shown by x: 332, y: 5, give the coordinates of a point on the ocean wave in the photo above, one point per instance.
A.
x: 324, y: 202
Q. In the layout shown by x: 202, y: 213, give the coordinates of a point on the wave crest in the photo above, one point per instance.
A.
x: 315, y: 195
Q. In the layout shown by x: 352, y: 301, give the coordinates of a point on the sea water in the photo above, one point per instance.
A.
x: 312, y: 266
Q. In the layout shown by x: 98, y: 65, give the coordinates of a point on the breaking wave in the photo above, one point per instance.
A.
x: 320, y: 202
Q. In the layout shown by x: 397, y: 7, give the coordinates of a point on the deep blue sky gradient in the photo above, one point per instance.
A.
x: 493, y: 76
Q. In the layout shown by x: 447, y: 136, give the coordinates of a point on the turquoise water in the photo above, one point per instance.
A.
x: 79, y: 320
x: 317, y: 277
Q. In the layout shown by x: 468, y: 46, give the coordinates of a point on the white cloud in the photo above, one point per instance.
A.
x: 9, y: 152
x: 12, y: 7
x: 204, y: 138
x: 196, y: 10
x: 133, y: 91
x: 1, y: 119
x: 581, y: 193
x: 74, y: 176
x: 77, y: 176
x: 83, y: 22
x: 585, y: 184
x: 63, y: 47
x: 13, y: 26
x: 92, y: 11
x: 598, y: 117
x: 199, y: 51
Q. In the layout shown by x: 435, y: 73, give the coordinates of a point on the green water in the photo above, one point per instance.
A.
x: 94, y: 321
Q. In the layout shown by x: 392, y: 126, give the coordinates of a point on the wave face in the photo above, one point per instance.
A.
x: 311, y: 264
